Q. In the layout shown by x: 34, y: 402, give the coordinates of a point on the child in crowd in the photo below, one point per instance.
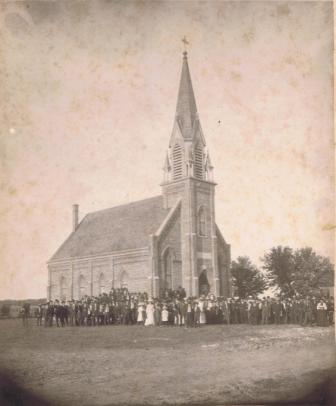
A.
x: 164, y: 316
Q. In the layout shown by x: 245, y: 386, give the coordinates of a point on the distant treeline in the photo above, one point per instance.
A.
x: 11, y: 302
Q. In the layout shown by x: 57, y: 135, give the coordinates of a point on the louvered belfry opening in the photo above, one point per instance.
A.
x: 177, y: 162
x: 199, y: 162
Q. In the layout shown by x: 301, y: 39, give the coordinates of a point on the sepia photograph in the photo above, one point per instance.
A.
x: 167, y: 221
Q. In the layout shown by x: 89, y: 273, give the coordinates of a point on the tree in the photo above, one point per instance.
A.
x: 279, y: 266
x: 297, y: 272
x: 247, y: 279
x: 311, y: 271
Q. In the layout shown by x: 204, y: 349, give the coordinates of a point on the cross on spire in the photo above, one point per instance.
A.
x: 185, y: 43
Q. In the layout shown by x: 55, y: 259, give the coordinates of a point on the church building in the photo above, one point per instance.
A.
x: 162, y: 242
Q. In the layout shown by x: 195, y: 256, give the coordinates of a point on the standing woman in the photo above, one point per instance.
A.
x: 202, y: 308
x: 141, y: 318
x: 321, y: 309
x: 150, y: 313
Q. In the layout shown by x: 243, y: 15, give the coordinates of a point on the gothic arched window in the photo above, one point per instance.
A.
x: 101, y: 283
x: 124, y: 280
x: 81, y: 286
x: 177, y: 162
x: 201, y: 222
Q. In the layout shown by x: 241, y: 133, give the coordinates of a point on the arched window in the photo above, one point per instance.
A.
x: 124, y: 280
x: 81, y: 286
x: 203, y: 283
x: 201, y: 222
x: 101, y: 283
x: 177, y: 162
x: 199, y: 164
x: 63, y: 288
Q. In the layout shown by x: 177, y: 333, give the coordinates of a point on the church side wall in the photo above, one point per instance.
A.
x: 170, y: 243
x: 93, y: 276
x: 224, y: 260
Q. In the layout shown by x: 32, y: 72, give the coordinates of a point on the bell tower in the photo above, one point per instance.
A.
x: 188, y: 176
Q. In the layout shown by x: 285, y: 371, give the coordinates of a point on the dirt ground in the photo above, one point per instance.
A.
x: 217, y: 364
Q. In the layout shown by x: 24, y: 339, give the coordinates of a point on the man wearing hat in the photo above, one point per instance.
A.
x: 39, y: 314
x: 197, y: 313
x: 276, y: 310
x: 189, y: 313
x: 183, y: 311
x: 57, y: 312
x: 157, y: 313
x: 49, y: 313
x: 72, y: 312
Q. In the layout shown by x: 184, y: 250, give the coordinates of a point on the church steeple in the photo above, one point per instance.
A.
x: 188, y: 191
x: 187, y: 145
x: 186, y: 110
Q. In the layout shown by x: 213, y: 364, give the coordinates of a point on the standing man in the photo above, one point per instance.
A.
x: 308, y: 312
x: 57, y: 311
x: 331, y: 310
x: 25, y: 309
x: 39, y: 315
x: 276, y: 309
x: 72, y: 313
x: 264, y: 311
x: 189, y: 313
x: 51, y: 312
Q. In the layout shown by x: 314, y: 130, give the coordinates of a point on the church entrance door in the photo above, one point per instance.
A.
x: 203, y: 283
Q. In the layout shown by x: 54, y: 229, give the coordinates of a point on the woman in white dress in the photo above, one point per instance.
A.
x: 140, y: 318
x: 202, y: 307
x: 150, y: 309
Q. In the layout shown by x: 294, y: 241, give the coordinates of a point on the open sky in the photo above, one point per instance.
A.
x: 89, y: 95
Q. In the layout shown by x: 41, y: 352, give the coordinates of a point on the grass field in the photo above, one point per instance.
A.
x: 119, y: 365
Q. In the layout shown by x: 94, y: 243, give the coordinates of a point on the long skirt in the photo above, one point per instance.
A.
x: 322, y: 320
x: 149, y: 318
x: 202, y: 318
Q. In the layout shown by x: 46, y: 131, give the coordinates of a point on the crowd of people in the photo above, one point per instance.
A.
x: 120, y: 306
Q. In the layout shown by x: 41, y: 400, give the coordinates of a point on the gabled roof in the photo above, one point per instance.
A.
x: 116, y: 229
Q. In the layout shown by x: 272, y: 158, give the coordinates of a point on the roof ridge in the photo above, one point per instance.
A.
x: 123, y: 205
x: 127, y: 226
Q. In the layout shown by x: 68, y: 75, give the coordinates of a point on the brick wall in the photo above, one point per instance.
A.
x: 224, y: 259
x: 98, y: 275
x: 171, y: 240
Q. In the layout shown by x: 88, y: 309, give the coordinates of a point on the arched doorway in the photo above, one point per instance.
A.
x: 167, y: 282
x: 203, y: 283
x: 81, y: 286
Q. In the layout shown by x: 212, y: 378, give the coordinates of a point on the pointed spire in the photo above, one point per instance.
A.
x: 208, y: 168
x: 167, y: 166
x: 208, y: 160
x: 166, y: 170
x: 186, y: 110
